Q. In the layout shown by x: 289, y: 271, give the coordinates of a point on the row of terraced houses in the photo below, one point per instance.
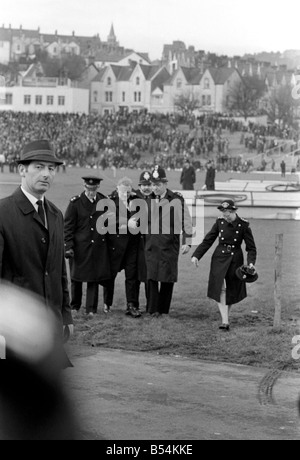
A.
x: 116, y: 78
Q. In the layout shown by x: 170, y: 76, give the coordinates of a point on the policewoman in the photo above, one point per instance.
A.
x: 224, y: 286
x: 85, y: 248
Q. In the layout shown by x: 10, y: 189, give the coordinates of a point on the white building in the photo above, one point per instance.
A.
x: 45, y: 95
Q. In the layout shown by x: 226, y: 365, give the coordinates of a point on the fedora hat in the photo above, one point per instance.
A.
x: 227, y: 205
x: 247, y: 274
x: 39, y: 150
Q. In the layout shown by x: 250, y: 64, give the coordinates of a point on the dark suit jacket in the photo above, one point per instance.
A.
x: 33, y: 257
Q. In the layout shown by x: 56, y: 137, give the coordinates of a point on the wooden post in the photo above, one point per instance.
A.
x: 277, y: 285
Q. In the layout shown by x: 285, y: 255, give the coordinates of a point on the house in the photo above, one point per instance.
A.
x: 135, y: 87
x: 36, y: 93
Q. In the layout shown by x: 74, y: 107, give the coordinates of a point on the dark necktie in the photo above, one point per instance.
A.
x: 41, y: 211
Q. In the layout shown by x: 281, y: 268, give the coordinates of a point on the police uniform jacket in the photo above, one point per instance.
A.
x: 122, y: 244
x: 227, y: 257
x: 31, y: 256
x: 91, y: 256
x: 162, y: 244
x: 141, y: 262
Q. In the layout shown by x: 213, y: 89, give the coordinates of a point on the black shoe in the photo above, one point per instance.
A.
x: 134, y: 312
x: 155, y: 314
x: 224, y: 327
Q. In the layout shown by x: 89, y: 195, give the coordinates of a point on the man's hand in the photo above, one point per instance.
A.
x: 69, y: 254
x: 195, y: 261
x: 185, y: 249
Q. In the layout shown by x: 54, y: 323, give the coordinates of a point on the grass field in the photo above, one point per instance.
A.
x: 191, y: 329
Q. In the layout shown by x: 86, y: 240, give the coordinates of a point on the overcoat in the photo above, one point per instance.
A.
x: 227, y: 257
x: 91, y: 257
x: 141, y: 260
x: 169, y: 219
x: 122, y: 244
x: 31, y: 256
x: 188, y: 178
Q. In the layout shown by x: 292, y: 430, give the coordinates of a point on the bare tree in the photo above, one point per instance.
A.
x: 281, y: 104
x: 244, y: 96
x: 187, y: 102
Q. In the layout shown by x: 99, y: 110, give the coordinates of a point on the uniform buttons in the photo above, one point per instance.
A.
x: 223, y: 252
x: 222, y: 230
x: 46, y: 273
x: 222, y: 238
x: 235, y: 239
x: 92, y: 229
x: 240, y: 225
x: 233, y: 246
x: 222, y: 223
x: 118, y: 236
x: 91, y: 217
x: 103, y: 239
x: 92, y: 241
x: 43, y: 240
x: 232, y: 253
x: 237, y: 231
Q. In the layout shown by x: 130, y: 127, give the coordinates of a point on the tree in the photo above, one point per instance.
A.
x: 187, y: 102
x: 244, y: 95
x: 281, y: 105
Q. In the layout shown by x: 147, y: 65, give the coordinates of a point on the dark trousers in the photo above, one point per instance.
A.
x: 130, y: 290
x: 92, y: 294
x: 159, y: 297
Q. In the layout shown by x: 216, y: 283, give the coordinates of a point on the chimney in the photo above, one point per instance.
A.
x: 20, y: 26
x: 73, y: 33
x: 56, y: 32
x: 10, y: 26
x: 38, y: 29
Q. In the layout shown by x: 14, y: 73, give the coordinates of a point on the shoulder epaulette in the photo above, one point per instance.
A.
x: 244, y: 220
x: 75, y: 198
x: 220, y: 217
x: 179, y: 194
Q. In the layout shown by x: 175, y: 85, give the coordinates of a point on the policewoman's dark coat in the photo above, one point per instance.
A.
x: 188, y: 178
x: 122, y: 244
x: 227, y: 257
x: 162, y: 244
x: 91, y: 257
x: 32, y: 257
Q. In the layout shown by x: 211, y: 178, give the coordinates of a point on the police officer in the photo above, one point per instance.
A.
x: 143, y: 192
x: 85, y: 247
x: 224, y: 286
x: 169, y: 217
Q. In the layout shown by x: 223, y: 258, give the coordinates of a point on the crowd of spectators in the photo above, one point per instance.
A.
x: 134, y: 140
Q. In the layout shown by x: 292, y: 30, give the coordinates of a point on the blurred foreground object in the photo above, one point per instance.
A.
x: 33, y: 403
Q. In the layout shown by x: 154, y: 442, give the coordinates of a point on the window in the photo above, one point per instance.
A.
x: 8, y: 98
x: 61, y: 100
x: 137, y: 80
x: 50, y: 100
x: 206, y: 83
x: 203, y: 100
x: 27, y: 99
x: 123, y: 96
x: 208, y: 102
x: 137, y: 96
x: 108, y: 96
x: 95, y: 93
x: 178, y: 83
x: 38, y: 100
x: 55, y: 50
x: 109, y: 81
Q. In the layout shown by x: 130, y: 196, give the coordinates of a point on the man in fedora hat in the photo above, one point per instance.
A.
x: 169, y: 218
x: 31, y: 235
x: 224, y: 286
x: 85, y: 248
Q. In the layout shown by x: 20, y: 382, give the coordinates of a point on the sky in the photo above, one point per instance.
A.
x: 232, y: 27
